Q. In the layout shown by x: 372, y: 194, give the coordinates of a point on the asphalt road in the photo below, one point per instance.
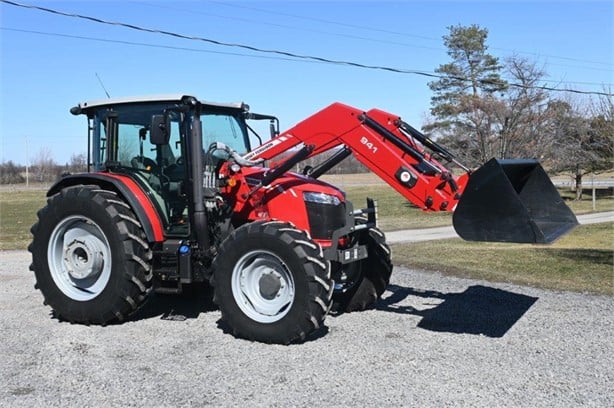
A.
x: 428, y: 234
x: 432, y: 341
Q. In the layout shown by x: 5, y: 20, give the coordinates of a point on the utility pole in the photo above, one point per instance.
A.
x: 27, y: 164
x: 594, y: 195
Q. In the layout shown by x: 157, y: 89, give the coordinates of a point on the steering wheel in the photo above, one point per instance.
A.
x: 144, y: 163
x: 174, y: 171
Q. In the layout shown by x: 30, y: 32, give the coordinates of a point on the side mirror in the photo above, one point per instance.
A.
x: 273, y: 129
x: 160, y: 130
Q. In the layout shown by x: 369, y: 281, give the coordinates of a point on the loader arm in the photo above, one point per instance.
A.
x: 502, y: 201
x: 377, y: 140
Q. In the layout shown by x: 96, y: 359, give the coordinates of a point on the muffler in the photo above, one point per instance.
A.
x: 512, y: 201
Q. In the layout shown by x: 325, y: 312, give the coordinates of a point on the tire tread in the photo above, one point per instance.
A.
x: 136, y: 277
x: 317, y: 272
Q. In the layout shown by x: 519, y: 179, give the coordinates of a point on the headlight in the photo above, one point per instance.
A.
x: 320, y: 198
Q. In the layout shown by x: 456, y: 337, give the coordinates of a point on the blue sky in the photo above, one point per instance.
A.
x: 45, y: 73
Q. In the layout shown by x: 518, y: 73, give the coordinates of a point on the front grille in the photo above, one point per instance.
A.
x: 324, y: 219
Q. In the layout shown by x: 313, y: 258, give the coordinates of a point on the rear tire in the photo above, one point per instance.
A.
x: 367, y: 278
x: 271, y: 283
x: 90, y: 256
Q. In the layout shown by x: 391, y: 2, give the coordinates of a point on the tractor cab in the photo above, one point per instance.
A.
x: 121, y: 141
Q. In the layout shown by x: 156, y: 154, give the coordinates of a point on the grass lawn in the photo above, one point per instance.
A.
x: 580, y: 261
x: 395, y: 212
x: 17, y: 214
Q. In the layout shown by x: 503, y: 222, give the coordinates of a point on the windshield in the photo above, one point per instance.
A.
x: 225, y: 128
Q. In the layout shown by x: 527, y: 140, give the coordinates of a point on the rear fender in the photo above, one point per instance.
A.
x: 128, y: 190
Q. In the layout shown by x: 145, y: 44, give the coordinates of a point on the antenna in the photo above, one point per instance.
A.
x: 102, y: 85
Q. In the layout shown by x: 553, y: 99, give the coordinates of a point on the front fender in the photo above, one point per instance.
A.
x: 129, y: 190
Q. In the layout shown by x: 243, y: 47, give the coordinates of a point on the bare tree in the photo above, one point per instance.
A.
x: 77, y: 164
x: 580, y: 144
x: 43, y: 166
x: 602, y: 130
x: 521, y: 113
x: 508, y: 124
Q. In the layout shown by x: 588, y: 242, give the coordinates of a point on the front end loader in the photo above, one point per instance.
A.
x: 175, y: 195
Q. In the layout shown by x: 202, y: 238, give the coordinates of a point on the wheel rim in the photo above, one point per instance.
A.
x: 262, y: 286
x: 79, y: 258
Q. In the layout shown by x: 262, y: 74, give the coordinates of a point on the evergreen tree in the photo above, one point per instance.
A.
x: 464, y: 95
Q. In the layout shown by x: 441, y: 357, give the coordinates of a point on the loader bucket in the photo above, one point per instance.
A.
x: 512, y: 201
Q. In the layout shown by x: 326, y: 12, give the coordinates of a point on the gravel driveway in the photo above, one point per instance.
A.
x: 432, y: 341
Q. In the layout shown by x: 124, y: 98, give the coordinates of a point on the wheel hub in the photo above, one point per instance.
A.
x: 79, y: 258
x: 84, y: 257
x: 270, y: 284
x: 263, y: 286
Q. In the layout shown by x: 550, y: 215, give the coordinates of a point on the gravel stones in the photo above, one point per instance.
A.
x: 432, y: 341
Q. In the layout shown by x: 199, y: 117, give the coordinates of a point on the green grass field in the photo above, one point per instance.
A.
x: 18, y: 209
x: 394, y: 211
x: 580, y: 261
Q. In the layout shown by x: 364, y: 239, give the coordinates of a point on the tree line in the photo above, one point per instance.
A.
x: 483, y: 107
x: 43, y: 169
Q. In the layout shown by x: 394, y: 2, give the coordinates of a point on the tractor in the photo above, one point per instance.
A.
x: 175, y: 196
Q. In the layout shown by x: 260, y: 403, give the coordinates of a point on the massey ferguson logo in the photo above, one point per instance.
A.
x: 264, y: 148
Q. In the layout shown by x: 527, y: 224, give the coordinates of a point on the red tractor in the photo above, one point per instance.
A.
x: 175, y: 195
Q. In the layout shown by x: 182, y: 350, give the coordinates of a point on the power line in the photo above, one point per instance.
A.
x: 217, y: 42
x: 321, y: 20
x: 584, y: 68
x: 244, y: 55
x: 286, y: 53
x: 283, y: 26
x: 404, y: 34
x: 142, y: 44
x: 357, y: 37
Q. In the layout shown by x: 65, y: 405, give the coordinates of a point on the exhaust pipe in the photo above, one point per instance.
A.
x: 512, y: 201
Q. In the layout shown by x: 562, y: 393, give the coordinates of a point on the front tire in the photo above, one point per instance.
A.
x: 90, y: 256
x: 366, y: 280
x: 271, y: 283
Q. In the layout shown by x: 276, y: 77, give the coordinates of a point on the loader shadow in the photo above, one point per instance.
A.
x: 178, y: 307
x: 478, y: 310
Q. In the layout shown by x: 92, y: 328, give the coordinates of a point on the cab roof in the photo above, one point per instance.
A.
x: 83, y: 107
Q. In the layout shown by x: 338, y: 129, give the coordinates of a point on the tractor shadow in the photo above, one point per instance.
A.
x: 188, y: 305
x: 195, y: 300
x: 478, y: 310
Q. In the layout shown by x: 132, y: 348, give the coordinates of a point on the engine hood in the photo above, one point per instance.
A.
x: 293, y: 182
